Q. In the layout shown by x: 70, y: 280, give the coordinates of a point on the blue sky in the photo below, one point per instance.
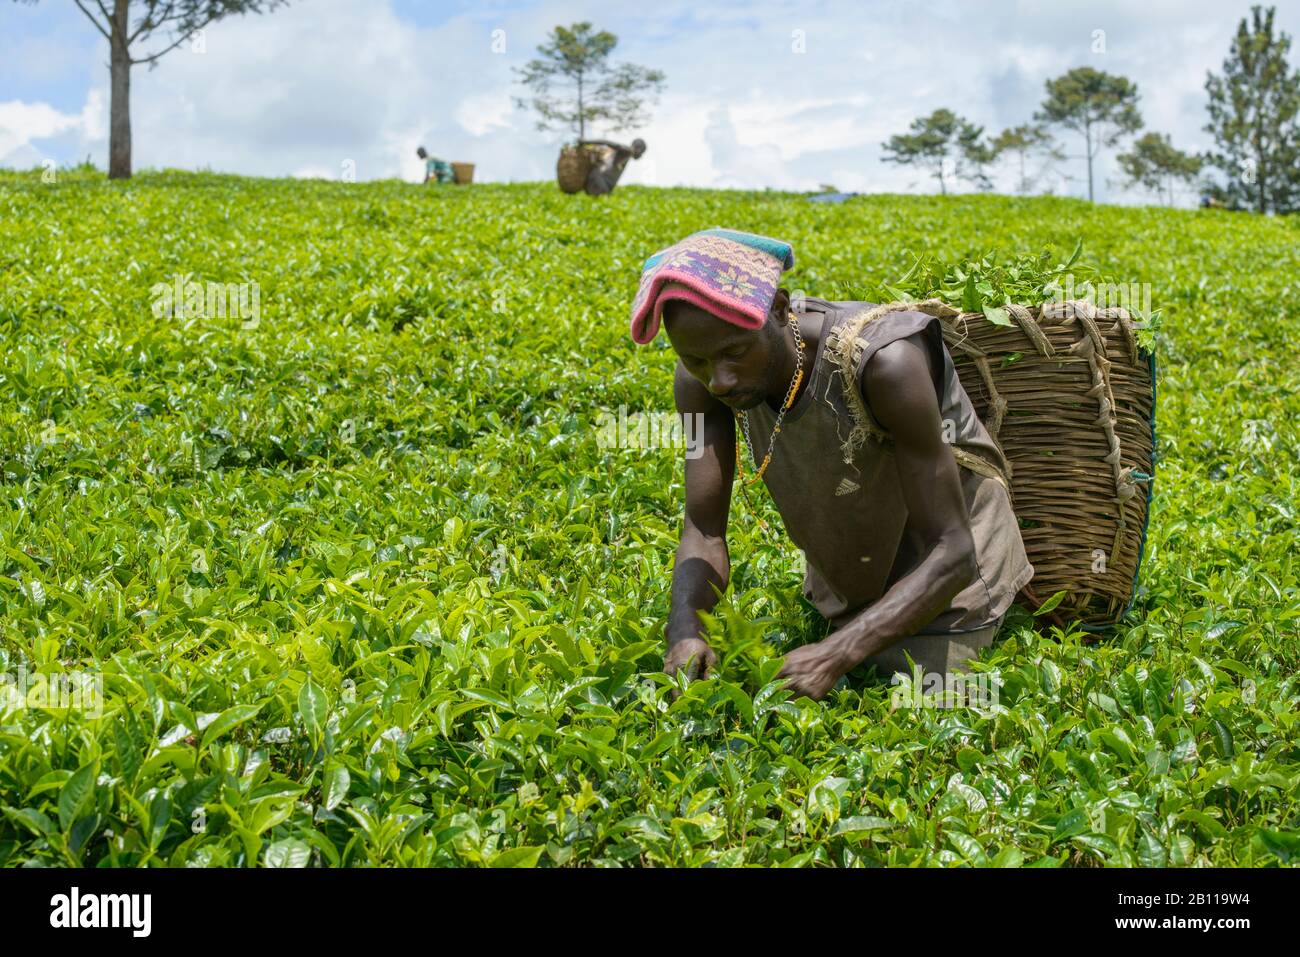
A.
x: 321, y: 84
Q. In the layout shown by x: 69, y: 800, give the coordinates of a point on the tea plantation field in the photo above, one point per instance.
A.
x: 362, y: 588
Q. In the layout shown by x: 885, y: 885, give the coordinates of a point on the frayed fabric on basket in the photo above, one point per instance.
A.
x: 733, y: 275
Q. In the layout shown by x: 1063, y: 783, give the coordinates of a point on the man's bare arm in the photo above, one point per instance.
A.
x: 702, y: 561
x: 899, y: 387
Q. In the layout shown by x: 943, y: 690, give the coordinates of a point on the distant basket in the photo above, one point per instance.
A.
x: 464, y: 172
x: 1069, y: 397
x: 572, y: 168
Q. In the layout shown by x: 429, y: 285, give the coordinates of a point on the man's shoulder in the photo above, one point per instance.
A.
x: 857, y: 307
x: 897, y: 361
x: 883, y: 331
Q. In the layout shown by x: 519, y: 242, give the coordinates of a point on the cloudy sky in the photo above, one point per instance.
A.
x: 785, y: 94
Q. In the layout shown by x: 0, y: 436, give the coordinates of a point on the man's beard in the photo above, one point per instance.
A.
x: 753, y: 398
x: 769, y: 373
x: 749, y: 400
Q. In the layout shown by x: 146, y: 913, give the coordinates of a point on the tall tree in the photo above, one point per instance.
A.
x: 574, y: 84
x: 943, y: 143
x: 1155, y: 164
x: 1101, y: 106
x: 1253, y: 117
x: 128, y: 27
x: 1026, y: 141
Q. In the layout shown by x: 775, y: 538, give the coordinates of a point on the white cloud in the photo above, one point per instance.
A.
x: 480, y: 113
x: 22, y: 157
x: 316, y: 172
x: 308, y: 87
x: 736, y: 164
x: 94, y: 115
x: 20, y: 123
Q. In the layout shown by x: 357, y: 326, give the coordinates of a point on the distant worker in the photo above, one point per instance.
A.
x: 439, y: 171
x: 609, y: 164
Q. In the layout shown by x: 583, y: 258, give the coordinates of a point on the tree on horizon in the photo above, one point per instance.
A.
x: 1155, y: 164
x: 1253, y: 117
x: 178, y: 20
x: 943, y: 142
x: 574, y: 84
x: 1026, y: 140
x: 1101, y: 106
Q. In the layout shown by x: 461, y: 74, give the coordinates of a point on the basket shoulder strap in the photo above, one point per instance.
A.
x: 845, y: 346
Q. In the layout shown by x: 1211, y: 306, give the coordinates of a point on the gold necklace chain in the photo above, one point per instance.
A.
x: 780, y: 416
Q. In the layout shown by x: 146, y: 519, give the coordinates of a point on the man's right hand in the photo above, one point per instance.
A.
x: 701, y: 566
x: 693, y: 654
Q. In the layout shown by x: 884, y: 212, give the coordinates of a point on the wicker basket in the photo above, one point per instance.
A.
x: 464, y: 173
x: 572, y: 168
x: 1069, y: 397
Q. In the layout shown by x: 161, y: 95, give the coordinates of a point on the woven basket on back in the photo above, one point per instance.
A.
x: 572, y: 168
x: 1070, y: 399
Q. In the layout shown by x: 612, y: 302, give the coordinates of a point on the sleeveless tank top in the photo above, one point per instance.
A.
x: 849, y: 518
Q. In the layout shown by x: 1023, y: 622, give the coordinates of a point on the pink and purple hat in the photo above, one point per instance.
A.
x: 731, y: 274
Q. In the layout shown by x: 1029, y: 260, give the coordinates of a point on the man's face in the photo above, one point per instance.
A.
x: 736, y: 365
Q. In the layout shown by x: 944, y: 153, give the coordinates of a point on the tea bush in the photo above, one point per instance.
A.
x: 363, y: 588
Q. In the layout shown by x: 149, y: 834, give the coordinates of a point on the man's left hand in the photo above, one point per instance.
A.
x: 813, y: 669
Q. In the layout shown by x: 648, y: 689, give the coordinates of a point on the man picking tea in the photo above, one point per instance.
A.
x: 610, y: 161
x: 436, y: 170
x: 854, y: 419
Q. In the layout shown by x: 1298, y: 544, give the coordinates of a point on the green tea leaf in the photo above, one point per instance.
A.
x: 313, y: 705
x: 1050, y: 603
x: 997, y: 315
x: 76, y: 793
x: 289, y: 852
x: 337, y: 781
x: 517, y: 857
x: 228, y: 720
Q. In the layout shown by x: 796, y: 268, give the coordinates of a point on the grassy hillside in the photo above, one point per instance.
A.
x: 363, y: 588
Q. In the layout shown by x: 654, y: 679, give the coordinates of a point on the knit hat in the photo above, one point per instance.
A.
x: 731, y: 274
